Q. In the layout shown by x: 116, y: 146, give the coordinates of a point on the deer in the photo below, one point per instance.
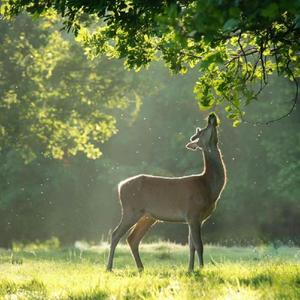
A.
x: 146, y: 199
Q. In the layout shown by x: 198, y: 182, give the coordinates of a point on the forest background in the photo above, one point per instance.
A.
x: 47, y: 84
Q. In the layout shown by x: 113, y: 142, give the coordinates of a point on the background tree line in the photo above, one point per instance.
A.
x: 49, y: 184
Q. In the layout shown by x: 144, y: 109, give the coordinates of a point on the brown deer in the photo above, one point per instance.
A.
x: 147, y: 199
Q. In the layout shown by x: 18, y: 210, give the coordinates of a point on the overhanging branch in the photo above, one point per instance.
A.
x: 292, y: 108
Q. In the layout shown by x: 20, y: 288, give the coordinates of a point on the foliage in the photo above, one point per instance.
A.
x: 247, y: 273
x: 54, y: 104
x: 53, y: 100
x: 235, y: 43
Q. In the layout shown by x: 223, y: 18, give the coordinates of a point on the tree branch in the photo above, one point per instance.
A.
x: 289, y: 112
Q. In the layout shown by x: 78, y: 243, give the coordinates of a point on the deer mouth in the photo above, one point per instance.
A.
x: 192, y: 146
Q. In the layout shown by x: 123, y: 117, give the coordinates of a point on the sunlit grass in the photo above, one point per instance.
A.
x: 79, y: 273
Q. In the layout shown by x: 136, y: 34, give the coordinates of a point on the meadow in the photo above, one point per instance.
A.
x: 43, y: 272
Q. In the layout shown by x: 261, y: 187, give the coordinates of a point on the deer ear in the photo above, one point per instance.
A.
x: 196, y: 135
x: 213, y: 119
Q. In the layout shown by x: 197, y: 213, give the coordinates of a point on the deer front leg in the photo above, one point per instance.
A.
x: 192, y: 252
x: 195, y: 229
x: 127, y: 221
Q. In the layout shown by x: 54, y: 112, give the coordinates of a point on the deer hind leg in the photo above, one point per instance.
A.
x: 195, y: 229
x: 135, y: 237
x: 127, y: 221
x: 192, y: 252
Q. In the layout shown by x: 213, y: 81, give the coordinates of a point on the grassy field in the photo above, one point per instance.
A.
x: 230, y: 273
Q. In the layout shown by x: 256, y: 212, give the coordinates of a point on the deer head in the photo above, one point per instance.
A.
x: 205, y: 138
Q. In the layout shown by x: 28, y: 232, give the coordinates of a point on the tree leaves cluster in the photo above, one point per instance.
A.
x: 237, y: 44
x: 55, y: 105
x: 53, y: 100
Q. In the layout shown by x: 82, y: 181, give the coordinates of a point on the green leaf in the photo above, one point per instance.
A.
x: 271, y: 11
x: 228, y: 108
x: 236, y: 123
x: 209, y: 59
x: 230, y: 25
x: 297, y: 21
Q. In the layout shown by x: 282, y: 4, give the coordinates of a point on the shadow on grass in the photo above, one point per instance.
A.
x: 62, y: 255
x: 161, y: 255
x: 258, y: 280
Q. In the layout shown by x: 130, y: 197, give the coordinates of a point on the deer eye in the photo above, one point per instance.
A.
x: 195, y: 136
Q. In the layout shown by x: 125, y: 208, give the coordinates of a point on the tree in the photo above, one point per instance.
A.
x: 237, y: 45
x: 54, y: 104
x: 53, y: 100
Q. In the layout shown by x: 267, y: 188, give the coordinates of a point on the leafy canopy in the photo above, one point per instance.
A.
x: 236, y: 44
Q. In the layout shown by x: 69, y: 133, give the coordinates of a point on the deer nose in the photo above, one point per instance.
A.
x: 191, y: 146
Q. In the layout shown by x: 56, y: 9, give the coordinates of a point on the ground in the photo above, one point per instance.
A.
x: 264, y: 272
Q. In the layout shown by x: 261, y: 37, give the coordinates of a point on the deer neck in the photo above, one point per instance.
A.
x: 214, y: 171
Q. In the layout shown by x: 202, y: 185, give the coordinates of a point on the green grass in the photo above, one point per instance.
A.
x: 229, y: 273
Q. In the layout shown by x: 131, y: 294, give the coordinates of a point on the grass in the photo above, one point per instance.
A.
x: 72, y: 273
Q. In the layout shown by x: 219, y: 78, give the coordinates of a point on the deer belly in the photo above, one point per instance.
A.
x: 164, y: 218
x: 167, y: 214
